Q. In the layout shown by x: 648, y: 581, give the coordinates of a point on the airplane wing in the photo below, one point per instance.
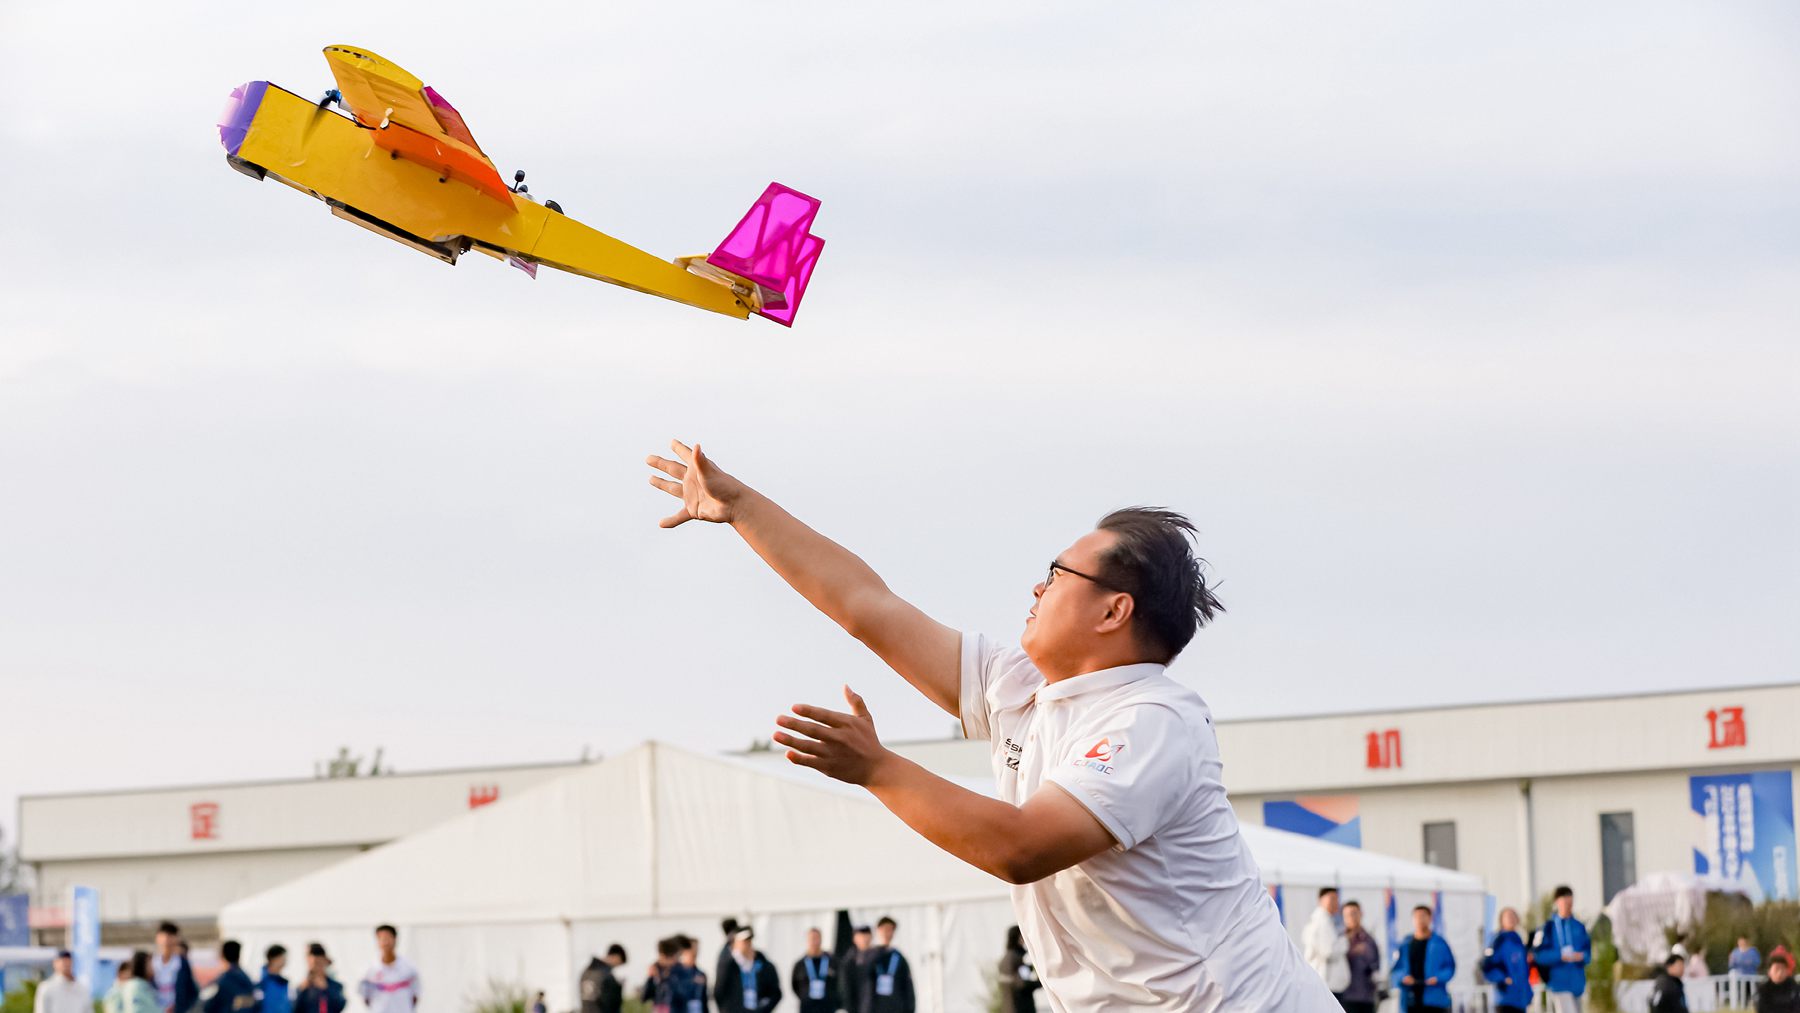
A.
x: 412, y: 120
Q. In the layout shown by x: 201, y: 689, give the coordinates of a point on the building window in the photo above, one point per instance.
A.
x: 1618, y: 853
x: 1440, y: 845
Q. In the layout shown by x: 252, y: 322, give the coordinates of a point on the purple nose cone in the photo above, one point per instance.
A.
x: 239, y: 111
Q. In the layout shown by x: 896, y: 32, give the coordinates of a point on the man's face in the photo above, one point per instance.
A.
x: 1743, y: 944
x: 384, y: 941
x: 1565, y: 905
x: 1677, y: 968
x: 1330, y: 903
x: 1352, y: 917
x: 613, y: 960
x: 743, y: 947
x: 690, y: 956
x: 165, y: 943
x: 1422, y: 923
x: 1060, y: 629
x: 64, y: 966
x: 884, y: 935
x: 1509, y: 920
x: 276, y: 963
x: 813, y: 940
x: 315, y: 964
x: 1778, y: 972
x: 861, y: 939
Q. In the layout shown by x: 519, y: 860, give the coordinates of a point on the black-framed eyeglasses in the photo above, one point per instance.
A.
x: 1055, y: 565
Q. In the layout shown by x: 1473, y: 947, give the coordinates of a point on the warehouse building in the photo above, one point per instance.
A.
x: 1588, y: 792
x: 184, y: 853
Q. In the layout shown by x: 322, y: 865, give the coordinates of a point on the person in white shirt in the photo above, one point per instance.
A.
x: 61, y: 993
x: 1327, y: 951
x: 171, y: 973
x: 1325, y: 947
x: 1132, y: 884
x: 392, y: 985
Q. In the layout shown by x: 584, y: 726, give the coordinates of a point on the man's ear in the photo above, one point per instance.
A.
x: 1119, y: 608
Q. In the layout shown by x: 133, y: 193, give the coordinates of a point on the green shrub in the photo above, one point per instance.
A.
x: 501, y: 997
x: 1728, y: 916
x: 1602, y: 968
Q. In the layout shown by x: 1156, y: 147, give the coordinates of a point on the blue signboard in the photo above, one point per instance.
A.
x: 1331, y: 818
x: 1747, y: 829
x: 84, y: 935
x: 15, y: 924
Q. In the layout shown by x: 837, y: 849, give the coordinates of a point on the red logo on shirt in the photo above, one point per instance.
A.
x: 1103, y: 751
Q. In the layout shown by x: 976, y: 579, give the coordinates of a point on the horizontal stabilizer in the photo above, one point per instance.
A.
x: 774, y: 247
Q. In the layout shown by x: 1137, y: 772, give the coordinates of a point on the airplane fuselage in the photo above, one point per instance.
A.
x: 335, y: 158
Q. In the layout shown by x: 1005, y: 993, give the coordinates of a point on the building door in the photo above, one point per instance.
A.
x: 1618, y: 853
x: 1440, y: 845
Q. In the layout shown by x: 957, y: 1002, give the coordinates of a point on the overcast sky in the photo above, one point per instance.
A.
x: 1465, y: 333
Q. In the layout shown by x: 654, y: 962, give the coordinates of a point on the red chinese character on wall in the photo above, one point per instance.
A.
x: 1726, y: 728
x: 482, y: 794
x: 203, y: 821
x: 1384, y: 749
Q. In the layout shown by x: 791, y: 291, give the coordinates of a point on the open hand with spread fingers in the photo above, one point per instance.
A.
x: 706, y: 493
x: 842, y: 746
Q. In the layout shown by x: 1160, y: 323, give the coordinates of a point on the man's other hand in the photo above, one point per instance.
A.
x: 839, y: 745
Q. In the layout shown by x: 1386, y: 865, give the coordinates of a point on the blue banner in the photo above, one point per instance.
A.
x: 84, y: 936
x: 1747, y: 830
x: 15, y: 920
x: 1333, y: 818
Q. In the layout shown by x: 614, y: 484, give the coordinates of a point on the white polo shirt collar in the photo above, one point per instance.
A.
x: 1097, y: 681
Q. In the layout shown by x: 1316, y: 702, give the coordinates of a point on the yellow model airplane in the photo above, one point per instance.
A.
x: 403, y: 163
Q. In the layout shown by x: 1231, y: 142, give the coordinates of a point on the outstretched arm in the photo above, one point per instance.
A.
x: 1019, y: 844
x: 924, y: 651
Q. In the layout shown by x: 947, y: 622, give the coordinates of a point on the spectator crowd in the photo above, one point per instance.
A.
x: 1420, y: 966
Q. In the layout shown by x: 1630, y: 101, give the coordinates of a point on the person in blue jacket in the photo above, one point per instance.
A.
x: 1507, y: 965
x: 272, y: 989
x: 1561, y: 949
x: 233, y: 991
x: 1423, y: 967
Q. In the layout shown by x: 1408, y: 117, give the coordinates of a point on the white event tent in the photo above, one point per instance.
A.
x: 659, y: 840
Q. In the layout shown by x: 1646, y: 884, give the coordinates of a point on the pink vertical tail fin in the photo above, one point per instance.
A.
x: 774, y: 247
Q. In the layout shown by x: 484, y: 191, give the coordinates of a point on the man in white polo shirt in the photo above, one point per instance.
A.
x: 1132, y: 884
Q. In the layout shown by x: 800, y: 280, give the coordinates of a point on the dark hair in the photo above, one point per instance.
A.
x: 140, y: 964
x: 615, y: 950
x: 168, y: 927
x: 1671, y: 960
x: 686, y: 941
x: 1424, y: 908
x: 1152, y: 559
x: 729, y: 925
x: 1015, y: 940
x: 389, y: 929
x: 1561, y: 892
x: 1323, y: 890
x: 274, y: 951
x: 885, y: 920
x: 670, y: 947
x: 231, y: 950
x: 1355, y: 904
